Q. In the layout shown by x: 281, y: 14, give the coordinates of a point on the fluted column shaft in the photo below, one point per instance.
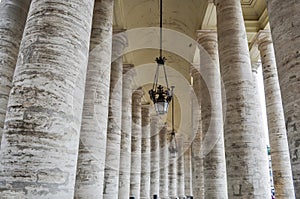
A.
x: 43, y: 119
x: 214, y: 165
x: 146, y: 159
x: 285, y: 29
x: 197, y: 160
x: 154, y: 181
x: 246, y: 153
x: 92, y: 145
x: 163, y: 164
x: 125, y: 153
x: 136, y: 139
x: 281, y: 164
x: 180, y: 167
x: 188, y: 185
x: 112, y: 160
x: 13, y: 14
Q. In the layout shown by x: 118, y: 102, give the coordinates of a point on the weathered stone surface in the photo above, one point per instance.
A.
x: 136, y: 139
x: 245, y: 149
x: 214, y: 165
x: 154, y: 181
x: 112, y: 160
x: 125, y: 155
x: 188, y: 185
x: 172, y: 174
x: 41, y: 134
x: 91, y: 156
x: 180, y: 167
x: 285, y: 28
x: 146, y: 159
x: 197, y: 160
x: 163, y: 163
x: 281, y: 164
x: 13, y: 14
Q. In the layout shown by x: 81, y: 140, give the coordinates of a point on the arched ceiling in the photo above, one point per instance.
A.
x: 184, y: 18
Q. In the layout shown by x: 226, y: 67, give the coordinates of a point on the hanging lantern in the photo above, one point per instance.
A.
x: 160, y: 95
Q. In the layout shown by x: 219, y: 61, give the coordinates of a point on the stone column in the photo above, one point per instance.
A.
x: 180, y: 167
x: 125, y: 154
x: 136, y: 139
x: 281, y: 164
x: 112, y: 161
x: 92, y: 145
x: 214, y: 165
x: 42, y: 125
x: 172, y: 171
x: 146, y: 159
x: 188, y: 188
x: 13, y: 14
x: 197, y: 161
x: 285, y: 29
x: 246, y: 160
x: 154, y: 181
x: 163, y: 164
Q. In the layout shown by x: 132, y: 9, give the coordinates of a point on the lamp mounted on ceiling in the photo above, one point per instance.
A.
x: 160, y: 95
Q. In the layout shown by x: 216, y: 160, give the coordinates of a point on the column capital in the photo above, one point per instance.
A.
x: 138, y: 93
x: 194, y: 70
x: 128, y: 69
x: 119, y: 43
x: 210, y: 35
x: 263, y: 38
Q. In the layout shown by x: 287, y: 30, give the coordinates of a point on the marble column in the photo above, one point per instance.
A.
x: 163, y: 164
x: 125, y: 153
x: 214, y: 165
x: 146, y: 159
x: 92, y: 145
x: 154, y: 181
x: 136, y: 139
x: 246, y: 159
x: 42, y: 125
x: 112, y: 160
x: 285, y: 29
x: 281, y: 164
x: 13, y: 14
x: 180, y: 167
x: 188, y: 188
x: 172, y: 174
x: 197, y: 160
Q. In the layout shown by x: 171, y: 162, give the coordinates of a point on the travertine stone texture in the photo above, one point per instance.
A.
x: 146, y: 158
x: 281, y: 164
x: 92, y: 145
x: 246, y: 158
x: 197, y: 160
x: 285, y: 27
x: 214, y: 164
x: 180, y: 167
x: 136, y: 139
x: 188, y: 185
x: 13, y: 14
x: 112, y: 161
x: 154, y: 130
x: 42, y: 125
x: 172, y: 175
x: 125, y: 153
x: 163, y: 164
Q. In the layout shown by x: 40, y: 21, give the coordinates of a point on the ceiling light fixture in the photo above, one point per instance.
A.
x: 160, y: 95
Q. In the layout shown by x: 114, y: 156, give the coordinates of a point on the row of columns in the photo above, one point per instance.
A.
x: 58, y: 94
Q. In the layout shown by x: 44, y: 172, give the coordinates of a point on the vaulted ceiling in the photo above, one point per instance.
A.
x: 181, y: 20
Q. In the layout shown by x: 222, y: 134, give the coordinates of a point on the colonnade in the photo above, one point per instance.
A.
x: 73, y: 125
